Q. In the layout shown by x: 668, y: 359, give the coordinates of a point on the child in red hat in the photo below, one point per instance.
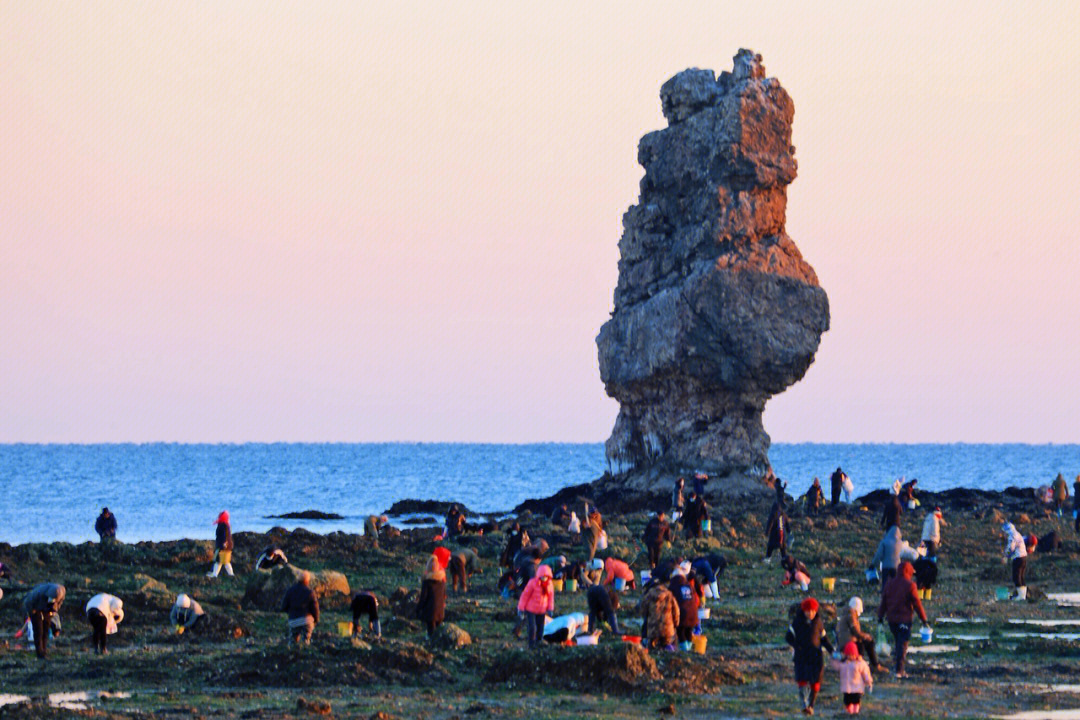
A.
x: 855, y: 678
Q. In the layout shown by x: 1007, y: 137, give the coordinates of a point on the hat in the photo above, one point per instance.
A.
x: 851, y: 650
x: 223, y: 518
x: 906, y: 570
x: 856, y: 604
x: 596, y: 564
x: 443, y: 556
x: 809, y: 605
x: 183, y: 601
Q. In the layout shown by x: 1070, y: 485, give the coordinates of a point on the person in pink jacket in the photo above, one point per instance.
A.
x: 616, y: 568
x: 855, y: 678
x: 537, y: 601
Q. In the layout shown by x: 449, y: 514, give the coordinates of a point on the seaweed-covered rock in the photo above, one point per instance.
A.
x: 616, y: 667
x: 451, y: 637
x: 265, y: 590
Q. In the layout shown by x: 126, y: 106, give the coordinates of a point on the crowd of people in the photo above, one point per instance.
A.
x: 674, y: 589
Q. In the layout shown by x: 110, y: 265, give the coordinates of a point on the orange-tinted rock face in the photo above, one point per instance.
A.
x: 715, y: 309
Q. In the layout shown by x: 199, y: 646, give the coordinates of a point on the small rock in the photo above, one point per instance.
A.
x: 313, y: 707
x: 667, y: 709
x: 450, y: 637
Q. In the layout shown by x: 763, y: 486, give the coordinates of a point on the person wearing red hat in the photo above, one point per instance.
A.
x: 431, y: 606
x: 806, y: 635
x: 223, y: 544
x: 855, y: 678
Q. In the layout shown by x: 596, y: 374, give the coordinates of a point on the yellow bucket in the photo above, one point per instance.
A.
x: 571, y: 585
x: 557, y: 584
x: 699, y: 642
x: 344, y: 629
x: 828, y: 584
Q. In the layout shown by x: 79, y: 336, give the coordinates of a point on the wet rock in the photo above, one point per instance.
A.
x: 383, y: 716
x: 312, y: 707
x: 265, y: 590
x: 437, y: 507
x: 307, y: 515
x: 615, y: 668
x: 715, y: 308
x: 451, y: 637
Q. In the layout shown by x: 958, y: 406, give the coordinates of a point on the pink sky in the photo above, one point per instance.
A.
x: 311, y: 222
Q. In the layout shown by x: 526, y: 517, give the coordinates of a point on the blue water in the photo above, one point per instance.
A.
x: 164, y: 491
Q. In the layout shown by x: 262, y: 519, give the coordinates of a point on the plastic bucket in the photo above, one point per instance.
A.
x: 646, y: 576
x: 557, y: 584
x: 706, y: 525
x: 871, y: 575
x: 571, y: 585
x: 620, y: 584
x: 1001, y: 593
x: 344, y: 629
x: 926, y: 634
x: 703, y: 613
x: 699, y: 642
x: 828, y: 583
x: 633, y: 639
x: 587, y: 639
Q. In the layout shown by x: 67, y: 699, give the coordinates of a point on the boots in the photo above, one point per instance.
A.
x: 1021, y: 593
x: 685, y: 646
x: 214, y: 571
x: 228, y: 569
x: 803, y: 694
x: 376, y: 628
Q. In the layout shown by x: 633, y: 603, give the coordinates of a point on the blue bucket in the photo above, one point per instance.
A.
x: 620, y: 584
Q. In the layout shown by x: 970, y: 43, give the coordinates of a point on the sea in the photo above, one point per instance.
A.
x: 165, y: 491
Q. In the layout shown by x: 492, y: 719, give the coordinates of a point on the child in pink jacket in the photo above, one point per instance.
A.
x: 537, y: 600
x: 855, y: 678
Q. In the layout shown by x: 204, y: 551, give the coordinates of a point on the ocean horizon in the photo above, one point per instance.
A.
x: 163, y: 491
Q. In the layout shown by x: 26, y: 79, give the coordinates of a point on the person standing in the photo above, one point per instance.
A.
x: 806, y: 635
x: 537, y: 601
x: 776, y: 529
x: 855, y: 677
x: 223, y: 546
x: 931, y: 532
x: 678, y: 502
x: 689, y: 602
x: 899, y: 604
x: 42, y: 606
x: 660, y: 615
x: 1016, y: 552
x: 1061, y: 493
x: 431, y: 605
x: 890, y: 515
x: 836, y: 484
x: 303, y: 609
x: 657, y: 532
x: 104, y: 612
x: 105, y: 526
x: 1076, y: 504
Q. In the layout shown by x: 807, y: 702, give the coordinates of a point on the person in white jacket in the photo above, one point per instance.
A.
x: 565, y: 627
x: 931, y: 532
x: 1016, y: 550
x: 104, y: 612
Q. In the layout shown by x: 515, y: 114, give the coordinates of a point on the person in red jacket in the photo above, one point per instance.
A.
x: 899, y: 604
x: 537, y: 600
x: 689, y: 603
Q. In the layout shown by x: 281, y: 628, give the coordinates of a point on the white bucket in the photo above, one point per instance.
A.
x: 587, y: 639
x: 646, y: 575
x: 704, y: 613
x: 927, y: 634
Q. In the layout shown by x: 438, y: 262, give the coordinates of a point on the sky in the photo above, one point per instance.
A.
x: 273, y: 221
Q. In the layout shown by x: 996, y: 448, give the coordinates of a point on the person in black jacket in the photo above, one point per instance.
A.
x: 836, y: 483
x: 807, y: 635
x: 657, y: 532
x: 365, y: 603
x: 890, y: 515
x: 223, y: 545
x: 814, y: 497
x: 303, y: 609
x: 1076, y: 504
x: 561, y: 516
x: 776, y: 529
x: 105, y: 526
x: 603, y: 605
x: 515, y: 540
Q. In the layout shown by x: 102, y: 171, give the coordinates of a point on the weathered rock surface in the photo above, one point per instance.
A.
x: 265, y: 589
x: 715, y: 308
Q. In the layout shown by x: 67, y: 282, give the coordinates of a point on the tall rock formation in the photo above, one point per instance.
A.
x: 715, y: 309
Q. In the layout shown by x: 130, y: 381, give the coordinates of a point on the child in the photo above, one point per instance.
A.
x: 537, y: 601
x: 855, y: 678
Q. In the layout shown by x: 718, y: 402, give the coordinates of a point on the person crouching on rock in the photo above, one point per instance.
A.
x: 806, y: 635
x: 849, y: 629
x: 603, y: 607
x: 855, y: 677
x: 431, y: 606
x: 104, y: 612
x: 42, y: 606
x: 899, y: 604
x: 271, y: 557
x: 660, y: 614
x: 303, y: 609
x: 186, y: 614
x: 708, y: 570
x: 463, y: 564
x: 371, y: 528
x: 365, y: 603
x: 566, y: 627
x: 615, y: 569
x: 537, y: 600
x: 223, y: 546
x: 105, y: 526
x: 795, y: 572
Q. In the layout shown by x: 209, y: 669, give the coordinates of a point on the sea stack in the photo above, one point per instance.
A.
x: 715, y: 309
